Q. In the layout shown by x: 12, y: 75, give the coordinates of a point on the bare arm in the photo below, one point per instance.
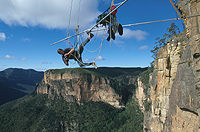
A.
x: 66, y: 62
x: 71, y: 51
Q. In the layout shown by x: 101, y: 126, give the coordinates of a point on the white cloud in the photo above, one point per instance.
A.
x: 48, y: 13
x: 22, y: 59
x: 26, y: 39
x: 94, y: 59
x: 143, y: 47
x: 120, y: 44
x: 136, y: 34
x: 86, y: 60
x: 2, y: 36
x: 9, y: 57
x: 44, y: 62
x: 100, y: 58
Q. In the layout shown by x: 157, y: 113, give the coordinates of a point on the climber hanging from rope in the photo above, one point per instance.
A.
x: 71, y: 53
x: 111, y: 21
x: 91, y: 29
x: 115, y: 25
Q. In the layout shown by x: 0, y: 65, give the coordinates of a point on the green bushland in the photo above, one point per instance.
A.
x: 37, y: 113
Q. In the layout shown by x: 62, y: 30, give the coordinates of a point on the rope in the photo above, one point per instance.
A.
x: 98, y: 54
x: 70, y: 43
x: 96, y: 35
x: 70, y: 16
x: 99, y: 45
x: 150, y: 22
x: 93, y: 26
x: 160, y: 21
x: 108, y: 15
x: 94, y: 50
x: 191, y: 16
x: 111, y: 21
x: 79, y: 11
x: 128, y: 25
x: 78, y: 38
x: 77, y: 27
x: 117, y: 4
x: 175, y: 8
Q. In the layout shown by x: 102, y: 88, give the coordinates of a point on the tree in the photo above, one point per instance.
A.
x: 160, y: 42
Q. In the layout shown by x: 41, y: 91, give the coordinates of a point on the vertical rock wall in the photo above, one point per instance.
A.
x: 183, y: 114
x: 162, y: 79
x: 80, y: 88
x: 175, y: 82
x: 140, y: 95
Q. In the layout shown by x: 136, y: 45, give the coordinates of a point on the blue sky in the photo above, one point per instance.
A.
x: 28, y: 28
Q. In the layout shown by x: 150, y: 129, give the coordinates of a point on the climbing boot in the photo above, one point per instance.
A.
x: 112, y: 35
x: 120, y: 29
x: 94, y: 64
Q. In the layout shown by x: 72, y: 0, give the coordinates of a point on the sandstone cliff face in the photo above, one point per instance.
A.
x: 140, y: 95
x: 161, y: 81
x: 78, y: 87
x: 183, y: 114
x: 175, y: 81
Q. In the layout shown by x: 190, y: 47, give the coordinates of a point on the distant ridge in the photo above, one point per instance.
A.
x: 117, y: 71
x: 16, y: 82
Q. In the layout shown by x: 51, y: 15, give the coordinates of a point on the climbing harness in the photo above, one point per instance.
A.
x: 100, y: 47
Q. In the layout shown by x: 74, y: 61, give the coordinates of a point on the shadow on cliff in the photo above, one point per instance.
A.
x: 122, y: 80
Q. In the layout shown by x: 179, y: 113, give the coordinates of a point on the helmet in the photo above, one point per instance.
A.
x: 112, y: 8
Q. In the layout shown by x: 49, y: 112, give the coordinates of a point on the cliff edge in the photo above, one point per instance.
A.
x: 175, y: 81
x: 78, y: 85
x: 184, y: 108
